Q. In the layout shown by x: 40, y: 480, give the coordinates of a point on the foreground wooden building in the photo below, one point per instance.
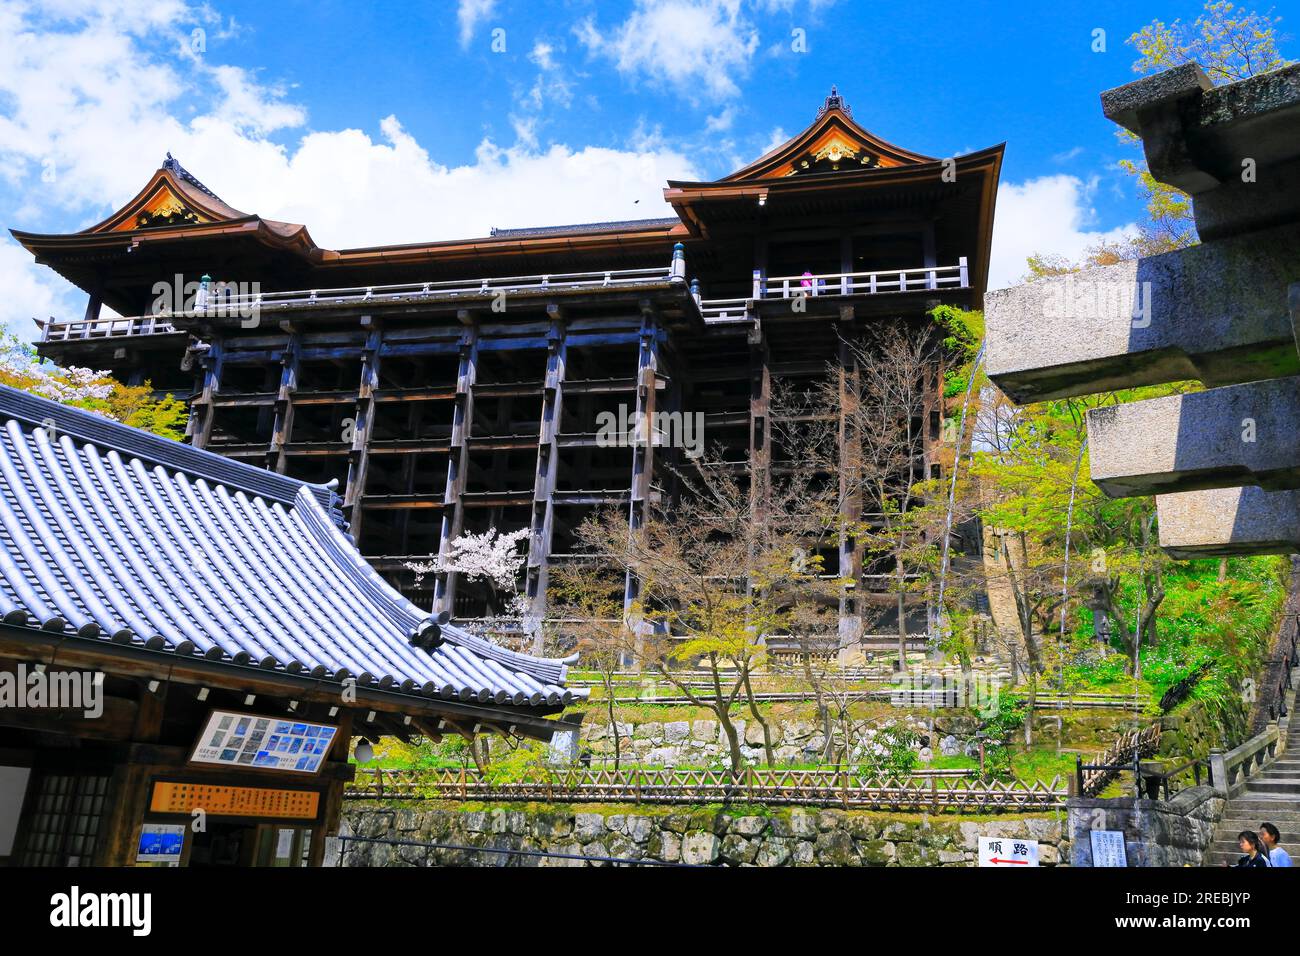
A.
x: 188, y: 644
x: 458, y: 385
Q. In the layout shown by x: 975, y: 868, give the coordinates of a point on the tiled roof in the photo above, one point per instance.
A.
x: 122, y: 536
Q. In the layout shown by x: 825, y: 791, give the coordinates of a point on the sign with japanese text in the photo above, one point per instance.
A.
x: 1008, y: 851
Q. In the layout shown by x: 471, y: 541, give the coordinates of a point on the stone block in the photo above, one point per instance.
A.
x: 676, y: 731
x: 1229, y: 521
x: 700, y: 848
x: 1224, y: 437
x: 1215, y: 312
x: 588, y: 826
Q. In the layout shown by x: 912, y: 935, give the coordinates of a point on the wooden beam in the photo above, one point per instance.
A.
x: 362, y: 426
x: 548, y: 463
x: 453, y: 518
x: 208, y: 385
x: 643, y: 439
x: 282, y: 428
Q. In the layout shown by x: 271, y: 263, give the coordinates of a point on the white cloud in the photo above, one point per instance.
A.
x: 692, y: 46
x: 470, y: 13
x: 32, y: 292
x: 95, y: 106
x: 1048, y: 215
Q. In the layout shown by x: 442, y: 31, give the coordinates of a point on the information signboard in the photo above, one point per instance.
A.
x: 1108, y: 848
x: 263, y: 743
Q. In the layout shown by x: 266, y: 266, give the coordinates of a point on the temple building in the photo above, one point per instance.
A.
x: 457, y: 386
x: 188, y: 645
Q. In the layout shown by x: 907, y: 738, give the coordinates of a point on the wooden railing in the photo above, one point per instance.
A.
x: 953, y: 791
x: 879, y: 282
x: 930, y: 278
x: 215, y: 301
x: 1124, y: 754
x: 104, y: 328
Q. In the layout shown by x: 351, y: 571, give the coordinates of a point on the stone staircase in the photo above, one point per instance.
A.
x: 1272, y: 794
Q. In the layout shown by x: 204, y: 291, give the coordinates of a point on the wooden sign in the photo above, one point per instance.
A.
x: 223, y: 801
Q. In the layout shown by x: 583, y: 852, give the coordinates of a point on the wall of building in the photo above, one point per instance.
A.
x: 710, y: 837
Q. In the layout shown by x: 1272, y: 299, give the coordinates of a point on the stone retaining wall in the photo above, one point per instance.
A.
x: 778, y: 837
x: 1156, y: 832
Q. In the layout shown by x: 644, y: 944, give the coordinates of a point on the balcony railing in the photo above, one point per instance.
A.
x: 104, y: 328
x: 221, y: 302
x: 426, y: 291
x: 809, y: 285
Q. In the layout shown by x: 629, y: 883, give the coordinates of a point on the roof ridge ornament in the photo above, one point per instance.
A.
x: 833, y: 102
x: 180, y: 172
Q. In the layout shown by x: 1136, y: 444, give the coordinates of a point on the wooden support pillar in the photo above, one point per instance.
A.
x: 643, y: 440
x: 760, y: 427
x: 453, y: 514
x: 548, y: 462
x: 93, y: 306
x: 282, y: 429
x: 850, y: 493
x: 125, y: 805
x: 201, y: 409
x: 362, y: 426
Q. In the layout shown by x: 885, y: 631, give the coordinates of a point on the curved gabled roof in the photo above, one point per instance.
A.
x: 834, y: 138
x: 113, y: 538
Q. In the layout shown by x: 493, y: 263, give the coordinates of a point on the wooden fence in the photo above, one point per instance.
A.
x: 1121, y: 755
x: 936, y: 791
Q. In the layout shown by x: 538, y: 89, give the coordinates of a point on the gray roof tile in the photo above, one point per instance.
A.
x: 122, y: 536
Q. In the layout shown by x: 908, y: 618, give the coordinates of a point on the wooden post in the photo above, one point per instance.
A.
x: 643, y: 440
x: 453, y: 515
x: 543, y: 515
x: 850, y: 493
x: 201, y: 409
x: 760, y: 427
x: 362, y: 426
x: 282, y: 430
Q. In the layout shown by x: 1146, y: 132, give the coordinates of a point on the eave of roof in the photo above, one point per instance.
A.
x: 132, y: 540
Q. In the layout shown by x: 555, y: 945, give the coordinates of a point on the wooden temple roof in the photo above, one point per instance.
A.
x: 112, y: 536
x: 176, y: 224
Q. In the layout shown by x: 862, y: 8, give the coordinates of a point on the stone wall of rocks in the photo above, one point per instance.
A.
x: 779, y: 837
x: 1192, y: 732
x: 701, y: 743
x: 1156, y: 832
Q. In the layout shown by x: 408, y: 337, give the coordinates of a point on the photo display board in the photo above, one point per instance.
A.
x: 233, y: 739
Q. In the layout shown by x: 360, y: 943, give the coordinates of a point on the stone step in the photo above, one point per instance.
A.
x: 1275, y: 785
x: 1254, y: 804
x: 1247, y: 821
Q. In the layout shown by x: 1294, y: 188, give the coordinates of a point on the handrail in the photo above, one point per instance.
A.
x: 876, y: 282
x: 869, y: 283
x: 217, y: 301
x: 106, y: 327
x: 1232, y: 770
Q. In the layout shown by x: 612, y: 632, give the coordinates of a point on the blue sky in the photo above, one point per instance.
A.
x: 391, y: 122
